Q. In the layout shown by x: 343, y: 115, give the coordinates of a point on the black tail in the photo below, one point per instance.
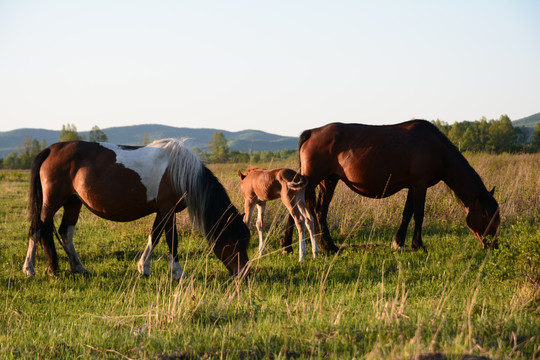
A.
x: 35, y: 204
x: 35, y: 197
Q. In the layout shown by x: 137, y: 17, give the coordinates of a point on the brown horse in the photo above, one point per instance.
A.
x: 125, y: 183
x: 260, y: 185
x: 378, y: 161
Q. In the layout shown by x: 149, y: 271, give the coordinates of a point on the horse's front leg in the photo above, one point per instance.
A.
x: 261, y: 207
x: 153, y: 239
x: 399, y: 239
x: 72, y: 209
x: 171, y: 235
x: 419, y: 204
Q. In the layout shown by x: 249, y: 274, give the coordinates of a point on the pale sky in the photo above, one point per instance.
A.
x: 280, y: 66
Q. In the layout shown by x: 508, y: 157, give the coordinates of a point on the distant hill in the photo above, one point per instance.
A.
x: 529, y: 121
x: 245, y: 140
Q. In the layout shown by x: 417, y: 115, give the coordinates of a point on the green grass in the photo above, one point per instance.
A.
x: 368, y: 302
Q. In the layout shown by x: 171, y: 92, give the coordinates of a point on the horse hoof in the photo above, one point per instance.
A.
x: 396, y: 246
x: 29, y: 272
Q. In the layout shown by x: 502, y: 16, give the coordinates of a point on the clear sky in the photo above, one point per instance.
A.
x: 280, y: 66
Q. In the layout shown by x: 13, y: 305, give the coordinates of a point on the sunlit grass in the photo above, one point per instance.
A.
x: 368, y: 302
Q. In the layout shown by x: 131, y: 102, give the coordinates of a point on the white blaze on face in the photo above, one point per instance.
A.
x: 149, y: 163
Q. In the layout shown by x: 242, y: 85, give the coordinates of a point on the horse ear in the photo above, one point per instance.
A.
x: 492, y: 191
x: 240, y: 175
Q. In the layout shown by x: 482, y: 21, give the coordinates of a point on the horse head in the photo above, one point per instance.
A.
x: 483, y: 218
x: 231, y: 245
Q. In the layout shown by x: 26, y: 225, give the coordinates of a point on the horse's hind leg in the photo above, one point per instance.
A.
x: 286, y: 240
x: 43, y: 232
x: 30, y: 261
x: 72, y: 209
x: 327, y: 188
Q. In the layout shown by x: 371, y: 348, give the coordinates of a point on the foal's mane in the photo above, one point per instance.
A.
x: 252, y: 169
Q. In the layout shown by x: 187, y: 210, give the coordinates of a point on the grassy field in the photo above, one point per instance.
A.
x: 455, y: 301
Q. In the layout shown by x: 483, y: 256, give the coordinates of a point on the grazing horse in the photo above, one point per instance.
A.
x: 378, y: 161
x: 125, y: 183
x: 260, y: 185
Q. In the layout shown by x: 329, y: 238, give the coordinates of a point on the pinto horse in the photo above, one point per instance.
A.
x: 378, y: 161
x: 125, y: 183
x: 260, y: 185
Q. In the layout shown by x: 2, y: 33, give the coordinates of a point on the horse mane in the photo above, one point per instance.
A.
x: 208, y: 204
x: 252, y: 169
x: 454, y: 152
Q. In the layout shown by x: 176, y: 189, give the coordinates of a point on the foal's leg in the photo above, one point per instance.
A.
x: 153, y: 239
x: 261, y: 207
x: 289, y: 199
x: 399, y: 239
x: 310, y: 222
x: 72, y: 209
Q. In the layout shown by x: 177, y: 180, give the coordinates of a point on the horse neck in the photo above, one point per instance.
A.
x: 213, y: 208
x: 463, y: 179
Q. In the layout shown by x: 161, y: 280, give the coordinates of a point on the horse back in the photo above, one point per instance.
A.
x: 375, y: 160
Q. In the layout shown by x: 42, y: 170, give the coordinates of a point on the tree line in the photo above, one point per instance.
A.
x: 29, y: 148
x: 493, y: 136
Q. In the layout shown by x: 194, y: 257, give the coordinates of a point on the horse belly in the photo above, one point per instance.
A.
x: 121, y: 197
x: 373, y: 175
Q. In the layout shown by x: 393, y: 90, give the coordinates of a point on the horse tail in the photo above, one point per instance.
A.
x: 43, y: 231
x: 298, y: 183
x: 306, y: 134
x: 35, y: 196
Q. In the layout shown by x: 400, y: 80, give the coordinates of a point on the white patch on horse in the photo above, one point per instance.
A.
x: 149, y: 163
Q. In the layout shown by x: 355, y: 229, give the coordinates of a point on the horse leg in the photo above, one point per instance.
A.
x: 290, y: 201
x: 310, y: 222
x: 399, y: 239
x: 171, y: 235
x: 286, y: 241
x: 327, y: 188
x: 43, y: 232
x: 30, y: 261
x: 260, y: 222
x: 153, y: 239
x: 72, y: 209
x: 419, y: 203
x: 299, y: 221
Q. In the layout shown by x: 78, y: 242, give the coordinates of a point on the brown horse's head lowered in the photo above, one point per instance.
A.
x: 483, y: 218
x: 124, y: 183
